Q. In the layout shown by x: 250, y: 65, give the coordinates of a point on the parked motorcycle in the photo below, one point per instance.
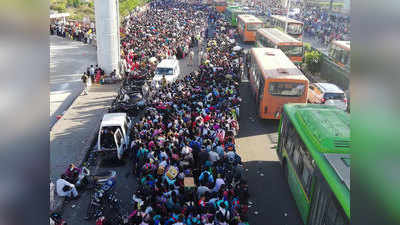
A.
x: 56, y: 219
x: 98, y: 200
x: 86, y: 180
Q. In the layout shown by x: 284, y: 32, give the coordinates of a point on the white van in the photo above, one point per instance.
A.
x: 113, y: 138
x: 168, y: 67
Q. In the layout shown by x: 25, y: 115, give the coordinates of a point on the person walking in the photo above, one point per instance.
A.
x: 191, y: 56
x: 91, y: 72
x: 84, y: 79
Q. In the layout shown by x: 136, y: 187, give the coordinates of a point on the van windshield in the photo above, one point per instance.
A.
x: 164, y: 71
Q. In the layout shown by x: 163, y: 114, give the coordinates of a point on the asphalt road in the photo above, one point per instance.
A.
x: 68, y: 61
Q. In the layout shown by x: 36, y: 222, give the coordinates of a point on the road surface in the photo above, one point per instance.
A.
x: 68, y: 61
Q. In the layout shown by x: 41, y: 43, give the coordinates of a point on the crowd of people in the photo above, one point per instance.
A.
x: 74, y: 31
x: 183, y: 147
x: 168, y: 30
x: 324, y: 26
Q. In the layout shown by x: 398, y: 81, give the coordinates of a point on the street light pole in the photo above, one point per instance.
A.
x: 287, y: 15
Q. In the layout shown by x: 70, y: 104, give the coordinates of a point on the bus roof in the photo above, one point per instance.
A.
x: 247, y: 18
x: 275, y: 64
x: 278, y: 36
x: 284, y: 19
x: 325, y: 130
x: 342, y: 44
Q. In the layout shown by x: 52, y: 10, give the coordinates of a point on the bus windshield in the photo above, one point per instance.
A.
x: 286, y: 89
x: 254, y: 26
x: 292, y: 50
x: 294, y: 28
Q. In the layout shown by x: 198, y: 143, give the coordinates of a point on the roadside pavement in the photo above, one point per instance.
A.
x: 72, y: 135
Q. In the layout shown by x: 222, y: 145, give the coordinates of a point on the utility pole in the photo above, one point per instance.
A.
x: 287, y: 15
x: 330, y: 6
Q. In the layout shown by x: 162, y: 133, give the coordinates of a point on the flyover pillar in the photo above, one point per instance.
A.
x: 107, y: 34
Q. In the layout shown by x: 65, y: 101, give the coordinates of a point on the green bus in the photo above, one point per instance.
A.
x: 232, y: 13
x: 314, y: 151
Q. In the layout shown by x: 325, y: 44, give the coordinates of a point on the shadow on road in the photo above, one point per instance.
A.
x: 270, y: 195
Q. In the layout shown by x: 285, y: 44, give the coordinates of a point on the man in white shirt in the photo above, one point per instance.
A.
x: 213, y: 156
x: 218, y: 183
x: 65, y: 188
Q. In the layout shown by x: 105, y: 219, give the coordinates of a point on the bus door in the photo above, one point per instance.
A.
x: 260, y: 93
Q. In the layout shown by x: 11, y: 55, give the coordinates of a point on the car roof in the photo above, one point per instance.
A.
x: 113, y: 119
x: 167, y: 63
x: 328, y: 87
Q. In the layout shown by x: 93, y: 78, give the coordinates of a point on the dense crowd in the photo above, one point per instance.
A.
x: 73, y: 31
x: 168, y: 30
x: 325, y: 27
x: 318, y: 22
x: 183, y: 146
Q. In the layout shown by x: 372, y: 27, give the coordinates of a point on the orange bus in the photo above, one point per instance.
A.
x: 294, y: 27
x: 275, y: 81
x: 220, y: 5
x: 274, y: 38
x: 339, y: 51
x: 247, y: 26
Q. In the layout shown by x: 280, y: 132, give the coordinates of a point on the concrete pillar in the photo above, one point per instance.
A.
x: 107, y: 34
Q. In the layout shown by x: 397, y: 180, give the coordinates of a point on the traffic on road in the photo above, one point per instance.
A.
x: 237, y: 135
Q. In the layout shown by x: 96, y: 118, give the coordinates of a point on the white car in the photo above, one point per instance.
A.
x: 168, y: 68
x: 328, y: 94
x: 113, y: 138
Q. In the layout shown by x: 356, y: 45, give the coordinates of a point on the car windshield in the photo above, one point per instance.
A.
x: 286, y: 89
x: 164, y: 71
x: 334, y: 96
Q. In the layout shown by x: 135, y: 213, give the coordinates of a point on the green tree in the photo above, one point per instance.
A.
x: 91, y: 5
x: 313, y: 61
x: 70, y: 3
x: 76, y: 3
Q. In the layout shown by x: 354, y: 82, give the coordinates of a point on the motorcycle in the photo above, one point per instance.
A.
x: 56, y: 219
x: 98, y: 200
x: 85, y: 179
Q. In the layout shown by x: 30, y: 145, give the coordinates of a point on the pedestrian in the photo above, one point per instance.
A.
x: 191, y: 56
x: 84, y: 79
x: 91, y: 73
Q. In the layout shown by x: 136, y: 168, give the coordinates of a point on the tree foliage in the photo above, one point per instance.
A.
x: 76, y: 3
x: 313, y: 60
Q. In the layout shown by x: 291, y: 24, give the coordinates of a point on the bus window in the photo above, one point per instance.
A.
x: 290, y: 139
x: 334, y: 214
x: 296, y: 157
x: 253, y: 26
x: 294, y: 28
x: 292, y: 50
x: 286, y: 89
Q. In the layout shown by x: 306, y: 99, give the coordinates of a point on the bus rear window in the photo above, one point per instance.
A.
x: 294, y: 28
x: 286, y: 89
x: 254, y: 26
